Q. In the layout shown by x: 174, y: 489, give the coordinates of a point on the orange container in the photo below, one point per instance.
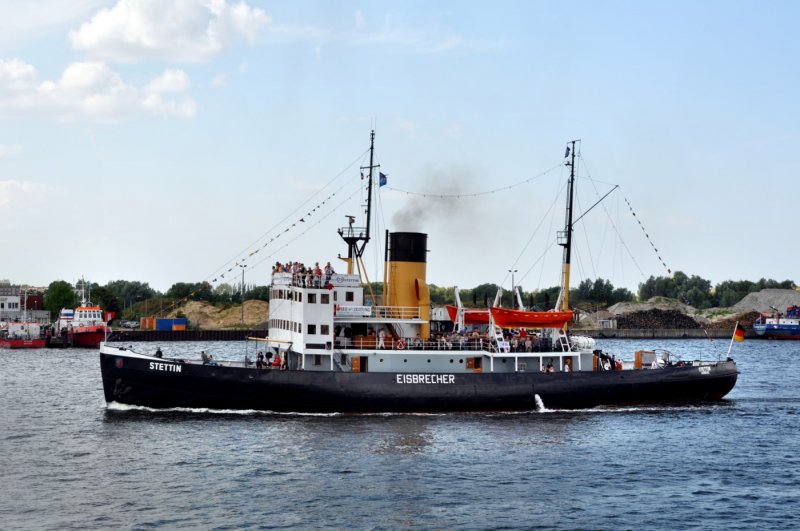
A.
x: 177, y: 327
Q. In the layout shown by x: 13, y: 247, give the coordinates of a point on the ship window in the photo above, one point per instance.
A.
x: 348, y: 296
x: 312, y: 329
x: 299, y: 297
x: 324, y: 329
x: 461, y: 361
x: 325, y: 298
x: 312, y: 298
x: 335, y: 296
x: 317, y: 359
x: 451, y: 360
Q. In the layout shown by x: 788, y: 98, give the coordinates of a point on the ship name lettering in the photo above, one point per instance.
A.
x: 168, y: 367
x: 426, y: 378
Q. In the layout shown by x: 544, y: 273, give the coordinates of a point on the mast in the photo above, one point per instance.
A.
x: 357, y: 237
x: 565, y: 237
x: 369, y: 190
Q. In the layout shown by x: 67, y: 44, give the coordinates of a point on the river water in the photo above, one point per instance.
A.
x: 69, y: 461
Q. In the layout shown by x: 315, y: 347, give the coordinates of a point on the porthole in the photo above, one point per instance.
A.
x: 405, y: 361
x: 461, y: 361
x: 429, y: 361
x: 451, y: 360
x: 381, y: 360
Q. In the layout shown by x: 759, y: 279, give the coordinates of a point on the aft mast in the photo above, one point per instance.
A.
x: 565, y: 237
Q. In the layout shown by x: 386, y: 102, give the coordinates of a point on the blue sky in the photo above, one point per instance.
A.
x: 158, y: 140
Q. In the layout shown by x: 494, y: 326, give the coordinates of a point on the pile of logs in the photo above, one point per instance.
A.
x: 656, y: 319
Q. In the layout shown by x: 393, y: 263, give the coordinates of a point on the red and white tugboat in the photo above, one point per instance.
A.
x: 83, y: 327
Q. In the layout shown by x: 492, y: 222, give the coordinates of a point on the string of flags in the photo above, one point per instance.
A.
x: 648, y: 237
x: 298, y: 223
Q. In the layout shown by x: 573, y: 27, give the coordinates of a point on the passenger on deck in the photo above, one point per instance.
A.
x: 276, y: 362
x: 260, y: 361
x: 550, y: 367
x: 329, y: 272
x: 568, y: 365
x: 158, y: 353
x: 382, y: 338
x: 418, y: 342
x: 204, y: 357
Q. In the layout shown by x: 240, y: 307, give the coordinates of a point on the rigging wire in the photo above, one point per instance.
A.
x: 476, y: 194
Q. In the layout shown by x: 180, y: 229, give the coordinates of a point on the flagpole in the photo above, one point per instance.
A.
x: 735, y: 327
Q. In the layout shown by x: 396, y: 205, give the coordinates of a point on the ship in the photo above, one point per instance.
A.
x: 780, y: 326
x: 84, y: 327
x: 22, y: 334
x: 336, y: 347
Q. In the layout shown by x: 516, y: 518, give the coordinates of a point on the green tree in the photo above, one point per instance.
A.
x: 128, y: 292
x: 105, y: 298
x: 59, y: 294
x: 224, y: 293
x: 260, y: 293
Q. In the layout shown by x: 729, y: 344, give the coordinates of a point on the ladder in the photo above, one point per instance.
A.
x: 563, y: 340
x: 500, y: 341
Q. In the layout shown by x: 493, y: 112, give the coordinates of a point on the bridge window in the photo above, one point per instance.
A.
x: 312, y: 298
x: 312, y: 329
x: 324, y: 330
x: 348, y: 296
x: 325, y: 298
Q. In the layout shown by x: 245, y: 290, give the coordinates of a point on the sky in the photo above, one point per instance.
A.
x: 167, y: 141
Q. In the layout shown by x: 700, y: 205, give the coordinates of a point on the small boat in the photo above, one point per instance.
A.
x: 21, y: 335
x: 472, y: 316
x: 509, y: 318
x: 335, y: 347
x: 780, y: 326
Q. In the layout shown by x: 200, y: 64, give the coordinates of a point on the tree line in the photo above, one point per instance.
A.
x: 134, y: 299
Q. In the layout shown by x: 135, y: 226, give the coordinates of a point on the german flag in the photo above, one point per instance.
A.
x: 738, y: 334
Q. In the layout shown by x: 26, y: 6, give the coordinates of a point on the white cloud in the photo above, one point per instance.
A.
x: 220, y: 81
x: 178, y: 30
x: 169, y: 81
x: 22, y: 192
x: 10, y: 149
x: 90, y: 89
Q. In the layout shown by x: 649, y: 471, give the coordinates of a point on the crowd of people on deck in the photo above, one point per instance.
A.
x: 306, y: 276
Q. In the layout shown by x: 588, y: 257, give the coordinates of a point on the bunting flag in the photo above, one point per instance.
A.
x: 669, y: 271
x: 738, y: 334
x: 381, y: 179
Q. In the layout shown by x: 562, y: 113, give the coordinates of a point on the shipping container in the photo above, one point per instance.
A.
x: 167, y: 324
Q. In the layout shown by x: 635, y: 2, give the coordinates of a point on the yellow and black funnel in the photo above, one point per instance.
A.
x: 406, y: 275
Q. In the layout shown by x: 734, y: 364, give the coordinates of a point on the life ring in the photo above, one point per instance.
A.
x: 400, y: 344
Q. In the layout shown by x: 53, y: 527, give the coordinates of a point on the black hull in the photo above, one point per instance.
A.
x: 133, y: 381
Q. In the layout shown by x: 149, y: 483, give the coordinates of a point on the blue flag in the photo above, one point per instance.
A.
x: 381, y: 179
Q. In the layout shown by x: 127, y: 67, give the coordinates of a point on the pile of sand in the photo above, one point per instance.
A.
x: 206, y: 316
x: 762, y: 300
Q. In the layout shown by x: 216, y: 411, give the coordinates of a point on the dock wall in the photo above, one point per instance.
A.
x: 125, y: 336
